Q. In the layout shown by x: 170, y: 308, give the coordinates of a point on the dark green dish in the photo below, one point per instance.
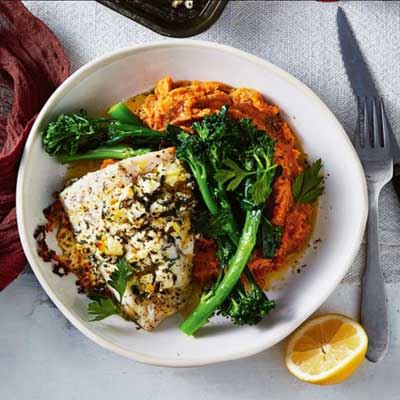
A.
x: 161, y: 17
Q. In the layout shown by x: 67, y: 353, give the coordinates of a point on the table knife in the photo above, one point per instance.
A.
x: 362, y: 83
x: 373, y: 303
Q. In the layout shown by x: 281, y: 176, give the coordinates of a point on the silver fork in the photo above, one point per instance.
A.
x: 373, y: 146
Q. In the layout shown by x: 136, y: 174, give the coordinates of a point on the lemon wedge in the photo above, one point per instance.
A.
x: 326, y: 350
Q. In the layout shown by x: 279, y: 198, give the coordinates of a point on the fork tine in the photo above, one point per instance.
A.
x: 378, y: 140
x: 367, y: 131
x: 385, y: 127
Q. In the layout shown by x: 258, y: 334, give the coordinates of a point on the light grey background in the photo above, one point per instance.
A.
x: 43, y: 357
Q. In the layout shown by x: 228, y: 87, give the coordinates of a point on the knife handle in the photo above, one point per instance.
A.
x: 374, y: 315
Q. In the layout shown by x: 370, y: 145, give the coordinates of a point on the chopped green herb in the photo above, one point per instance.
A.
x: 120, y: 276
x: 309, y: 185
x: 235, y: 176
x: 101, y: 308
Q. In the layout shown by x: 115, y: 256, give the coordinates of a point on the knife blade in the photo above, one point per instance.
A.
x: 361, y: 81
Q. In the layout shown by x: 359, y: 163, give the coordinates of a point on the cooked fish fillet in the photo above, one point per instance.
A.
x: 138, y: 209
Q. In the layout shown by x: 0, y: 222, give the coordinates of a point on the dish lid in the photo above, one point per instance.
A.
x: 161, y: 17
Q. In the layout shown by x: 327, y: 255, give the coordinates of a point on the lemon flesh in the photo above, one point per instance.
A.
x: 326, y: 350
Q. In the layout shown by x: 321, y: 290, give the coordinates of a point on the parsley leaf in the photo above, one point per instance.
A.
x: 262, y: 187
x: 119, y: 277
x: 102, y: 307
x: 235, y: 174
x: 309, y: 185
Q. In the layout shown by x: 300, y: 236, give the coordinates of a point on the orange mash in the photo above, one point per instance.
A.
x: 183, y: 102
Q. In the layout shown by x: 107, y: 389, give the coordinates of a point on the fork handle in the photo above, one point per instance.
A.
x: 396, y: 180
x: 374, y: 315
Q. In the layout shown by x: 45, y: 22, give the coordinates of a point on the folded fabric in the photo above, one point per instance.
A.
x: 32, y: 64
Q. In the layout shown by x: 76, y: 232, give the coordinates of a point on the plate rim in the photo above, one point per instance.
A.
x: 76, y: 78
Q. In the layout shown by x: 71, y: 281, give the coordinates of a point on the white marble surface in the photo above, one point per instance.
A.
x: 43, y: 357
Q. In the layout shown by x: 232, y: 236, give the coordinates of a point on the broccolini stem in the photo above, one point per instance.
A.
x: 220, y: 194
x: 200, y: 174
x: 232, y: 230
x: 207, y: 196
x: 118, y: 132
x: 101, y: 153
x: 250, y: 278
x: 209, y: 200
x: 212, y: 301
x: 122, y: 113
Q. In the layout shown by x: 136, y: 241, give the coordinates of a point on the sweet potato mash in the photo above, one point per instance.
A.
x: 183, y: 102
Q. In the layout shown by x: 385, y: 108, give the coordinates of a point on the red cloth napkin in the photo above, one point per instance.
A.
x: 32, y: 64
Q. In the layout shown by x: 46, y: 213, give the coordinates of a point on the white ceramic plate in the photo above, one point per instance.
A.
x: 342, y: 217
